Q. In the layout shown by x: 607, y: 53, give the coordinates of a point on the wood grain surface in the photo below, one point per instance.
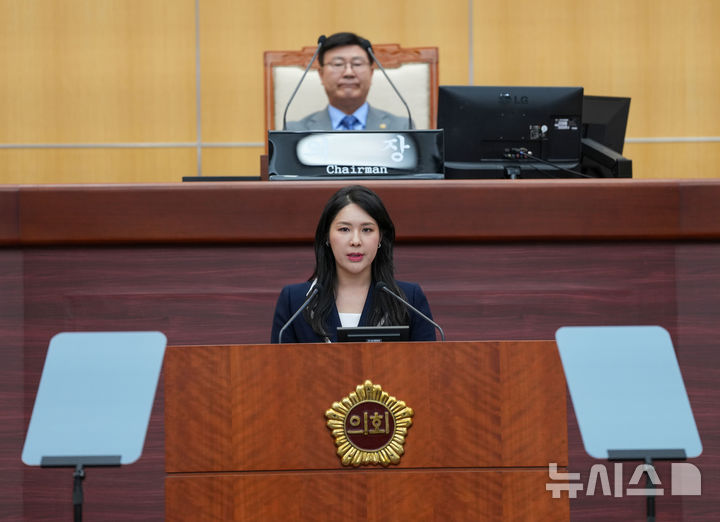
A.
x: 486, y: 415
x: 422, y: 495
x: 434, y: 210
x: 204, y: 278
x: 261, y: 407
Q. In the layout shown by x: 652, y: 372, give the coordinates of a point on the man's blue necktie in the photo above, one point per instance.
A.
x: 348, y: 122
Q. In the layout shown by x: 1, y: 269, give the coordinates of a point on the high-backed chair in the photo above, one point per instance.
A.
x: 414, y: 71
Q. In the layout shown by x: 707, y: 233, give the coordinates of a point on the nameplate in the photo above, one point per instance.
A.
x: 413, y: 154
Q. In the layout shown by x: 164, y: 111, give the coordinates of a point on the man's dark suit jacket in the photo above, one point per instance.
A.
x: 376, y: 120
x: 293, y: 296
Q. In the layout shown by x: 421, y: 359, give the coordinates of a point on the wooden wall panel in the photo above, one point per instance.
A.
x: 213, y: 294
x: 113, y: 72
x: 80, y: 71
x: 12, y: 407
x: 9, y: 224
x: 510, y: 261
x: 659, y: 57
x: 97, y: 165
x: 235, y: 161
x: 674, y: 160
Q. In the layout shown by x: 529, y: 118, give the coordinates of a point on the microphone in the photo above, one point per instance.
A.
x: 382, y: 286
x: 321, y: 41
x: 314, y: 289
x: 368, y: 47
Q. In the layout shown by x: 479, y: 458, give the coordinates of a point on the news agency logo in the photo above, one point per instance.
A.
x: 685, y: 480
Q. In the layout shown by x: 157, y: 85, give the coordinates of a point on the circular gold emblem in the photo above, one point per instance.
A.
x: 369, y: 426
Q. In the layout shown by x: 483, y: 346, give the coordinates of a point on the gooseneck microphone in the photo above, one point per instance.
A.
x: 384, y: 287
x: 314, y: 290
x: 321, y: 41
x: 368, y: 47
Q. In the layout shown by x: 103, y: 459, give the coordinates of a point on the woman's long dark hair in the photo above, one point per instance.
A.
x: 386, y: 310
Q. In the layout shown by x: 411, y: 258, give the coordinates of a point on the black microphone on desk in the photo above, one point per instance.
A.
x: 368, y: 47
x: 321, y: 41
x: 314, y: 290
x: 384, y: 287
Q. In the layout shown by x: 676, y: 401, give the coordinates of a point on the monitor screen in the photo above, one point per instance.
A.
x: 377, y: 334
x: 605, y: 120
x: 486, y: 127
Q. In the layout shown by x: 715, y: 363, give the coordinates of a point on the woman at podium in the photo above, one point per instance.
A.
x: 353, y: 281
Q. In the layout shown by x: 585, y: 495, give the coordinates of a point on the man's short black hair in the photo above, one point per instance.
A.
x: 340, y: 40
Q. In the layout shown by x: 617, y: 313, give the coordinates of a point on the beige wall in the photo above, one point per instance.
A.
x: 106, y: 90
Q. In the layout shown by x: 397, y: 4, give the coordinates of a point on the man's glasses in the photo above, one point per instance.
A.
x: 341, y: 65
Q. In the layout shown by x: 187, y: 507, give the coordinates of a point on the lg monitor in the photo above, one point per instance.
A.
x: 511, y: 132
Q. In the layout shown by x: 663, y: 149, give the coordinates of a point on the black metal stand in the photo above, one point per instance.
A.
x: 80, y: 463
x: 648, y: 456
x: 77, y: 497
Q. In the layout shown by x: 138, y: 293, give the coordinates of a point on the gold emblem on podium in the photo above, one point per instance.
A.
x: 369, y: 426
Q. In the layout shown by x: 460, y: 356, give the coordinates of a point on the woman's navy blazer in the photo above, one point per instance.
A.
x: 293, y: 296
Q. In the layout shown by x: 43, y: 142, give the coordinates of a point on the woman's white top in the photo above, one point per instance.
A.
x: 349, y: 320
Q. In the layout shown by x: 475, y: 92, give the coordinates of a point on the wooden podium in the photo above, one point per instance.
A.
x: 246, y: 434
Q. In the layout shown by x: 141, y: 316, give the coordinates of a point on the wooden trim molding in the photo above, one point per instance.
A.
x: 430, y: 211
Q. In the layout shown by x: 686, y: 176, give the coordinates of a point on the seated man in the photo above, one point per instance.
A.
x: 346, y: 73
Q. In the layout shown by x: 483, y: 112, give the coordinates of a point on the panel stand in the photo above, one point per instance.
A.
x: 77, y: 496
x: 93, y: 403
x: 79, y: 464
x: 646, y: 409
x: 648, y: 456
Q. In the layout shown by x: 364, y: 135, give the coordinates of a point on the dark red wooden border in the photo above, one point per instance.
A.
x: 449, y: 210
